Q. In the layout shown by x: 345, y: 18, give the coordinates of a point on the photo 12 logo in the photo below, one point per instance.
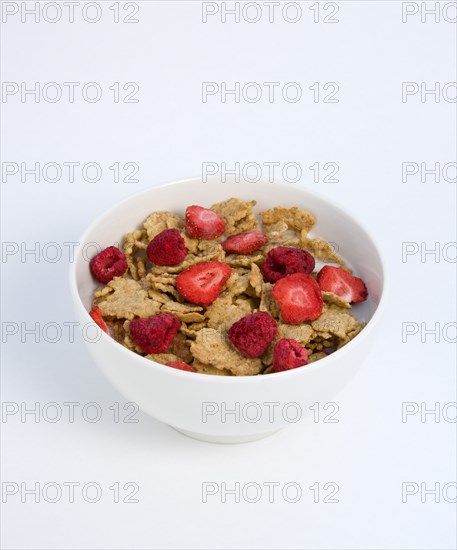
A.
x: 49, y: 252
x: 422, y: 412
x: 70, y: 412
x: 53, y: 492
x: 429, y: 12
x: 50, y: 332
x: 70, y: 12
x: 429, y: 252
x: 438, y: 492
x: 269, y: 12
x: 268, y: 491
x: 268, y: 411
x: 426, y: 173
x: 436, y: 332
x: 269, y: 92
x: 69, y: 172
x: 424, y: 92
x: 292, y: 172
x: 69, y: 92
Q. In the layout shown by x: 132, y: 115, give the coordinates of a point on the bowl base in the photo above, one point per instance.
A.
x: 226, y: 439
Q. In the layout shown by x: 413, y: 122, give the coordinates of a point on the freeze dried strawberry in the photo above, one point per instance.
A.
x: 180, y: 365
x: 167, y: 248
x: 154, y: 334
x: 107, y: 264
x: 202, y: 223
x: 202, y: 283
x: 289, y: 354
x: 98, y: 319
x: 299, y: 298
x: 285, y: 260
x: 245, y: 243
x: 252, y: 334
x: 342, y: 283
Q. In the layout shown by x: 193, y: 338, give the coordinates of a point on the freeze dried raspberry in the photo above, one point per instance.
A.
x: 289, y: 354
x: 107, y: 264
x: 180, y: 365
x: 167, y: 248
x: 245, y: 243
x: 285, y: 260
x: 252, y: 334
x: 154, y: 334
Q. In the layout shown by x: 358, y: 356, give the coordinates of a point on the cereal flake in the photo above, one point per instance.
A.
x: 238, y: 215
x: 294, y: 217
x: 211, y: 348
x: 126, y: 299
x: 159, y: 221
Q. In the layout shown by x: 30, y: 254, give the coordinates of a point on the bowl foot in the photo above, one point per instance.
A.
x: 226, y: 439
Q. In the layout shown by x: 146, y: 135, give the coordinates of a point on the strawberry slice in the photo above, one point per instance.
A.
x: 98, y: 319
x: 299, y: 298
x: 245, y: 243
x: 202, y: 223
x: 202, y: 283
x: 342, y: 283
x: 180, y: 365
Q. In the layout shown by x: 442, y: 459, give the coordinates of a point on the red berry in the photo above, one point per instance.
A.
x: 289, y: 354
x: 98, y: 319
x: 202, y: 223
x: 154, y: 334
x: 299, y: 298
x: 245, y: 243
x: 342, y: 283
x: 285, y: 260
x: 252, y: 334
x: 167, y: 248
x: 202, y: 283
x: 107, y: 264
x: 180, y: 365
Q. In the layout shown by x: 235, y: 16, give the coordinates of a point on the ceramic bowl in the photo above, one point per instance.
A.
x: 227, y: 409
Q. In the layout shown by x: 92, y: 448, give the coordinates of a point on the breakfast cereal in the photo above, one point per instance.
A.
x: 210, y: 292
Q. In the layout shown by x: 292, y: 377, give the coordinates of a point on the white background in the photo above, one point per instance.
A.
x: 169, y: 133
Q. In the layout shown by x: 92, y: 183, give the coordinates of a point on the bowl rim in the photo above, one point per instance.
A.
x: 214, y: 378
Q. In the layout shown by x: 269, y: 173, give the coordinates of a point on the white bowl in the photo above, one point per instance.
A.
x: 199, y: 405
